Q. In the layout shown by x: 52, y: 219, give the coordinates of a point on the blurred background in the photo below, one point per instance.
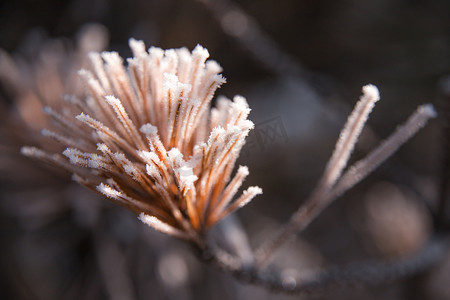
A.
x: 301, y: 66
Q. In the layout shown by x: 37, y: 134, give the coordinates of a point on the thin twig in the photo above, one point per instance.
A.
x: 245, y: 29
x: 348, y: 137
x: 338, y: 161
x: 322, y: 197
x: 364, y: 167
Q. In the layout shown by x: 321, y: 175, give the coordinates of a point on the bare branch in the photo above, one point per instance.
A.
x: 364, y: 167
x: 324, y: 195
x: 368, y: 273
x: 348, y: 137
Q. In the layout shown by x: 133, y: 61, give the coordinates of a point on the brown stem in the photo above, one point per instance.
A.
x: 351, y: 276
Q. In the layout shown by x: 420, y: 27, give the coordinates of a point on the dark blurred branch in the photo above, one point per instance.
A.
x: 235, y: 237
x: 245, y: 29
x: 114, y: 275
x: 355, y: 275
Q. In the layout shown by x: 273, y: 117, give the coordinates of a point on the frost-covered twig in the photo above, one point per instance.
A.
x: 332, y: 184
x: 364, y: 167
x: 348, y: 138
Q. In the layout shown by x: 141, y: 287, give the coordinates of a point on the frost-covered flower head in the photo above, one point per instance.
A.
x: 146, y: 137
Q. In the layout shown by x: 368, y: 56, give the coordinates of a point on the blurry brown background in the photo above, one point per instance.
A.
x: 333, y: 48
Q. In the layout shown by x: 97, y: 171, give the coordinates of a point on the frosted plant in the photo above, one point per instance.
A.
x: 146, y: 138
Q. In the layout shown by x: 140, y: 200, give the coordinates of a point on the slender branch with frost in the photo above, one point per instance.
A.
x: 364, y: 167
x: 348, y: 138
x: 333, y: 183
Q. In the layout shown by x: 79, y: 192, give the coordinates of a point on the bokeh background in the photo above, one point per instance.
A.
x: 301, y: 65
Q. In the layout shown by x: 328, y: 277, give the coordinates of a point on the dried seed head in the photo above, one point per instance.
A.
x: 147, y: 138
